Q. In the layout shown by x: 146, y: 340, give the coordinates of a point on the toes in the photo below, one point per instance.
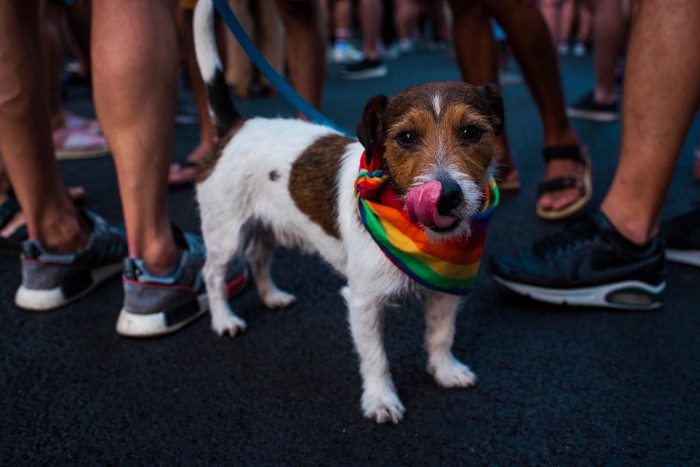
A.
x: 231, y: 326
x: 279, y: 299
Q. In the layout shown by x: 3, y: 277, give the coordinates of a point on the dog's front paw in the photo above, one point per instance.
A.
x: 383, y: 408
x: 451, y: 373
x: 230, y: 324
x: 278, y: 299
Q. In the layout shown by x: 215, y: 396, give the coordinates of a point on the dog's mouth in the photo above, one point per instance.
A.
x: 430, y: 205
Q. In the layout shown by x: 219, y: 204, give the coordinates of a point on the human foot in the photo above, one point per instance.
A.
x: 567, y: 185
x: 185, y: 174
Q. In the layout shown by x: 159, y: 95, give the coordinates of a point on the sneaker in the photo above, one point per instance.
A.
x: 365, y: 69
x: 161, y: 304
x: 563, y: 48
x: 587, y: 108
x: 682, y: 236
x: 407, y: 44
x: 78, y: 143
x: 51, y: 280
x: 344, y: 53
x: 589, y: 263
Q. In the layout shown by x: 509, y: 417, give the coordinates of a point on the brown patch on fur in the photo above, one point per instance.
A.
x: 206, y: 166
x: 313, y: 181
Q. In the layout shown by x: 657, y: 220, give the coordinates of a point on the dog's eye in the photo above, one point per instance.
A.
x: 470, y: 134
x: 407, y: 139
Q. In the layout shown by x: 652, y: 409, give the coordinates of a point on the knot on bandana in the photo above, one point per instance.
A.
x: 448, y: 266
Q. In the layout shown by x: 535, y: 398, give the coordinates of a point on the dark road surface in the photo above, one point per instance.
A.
x: 557, y: 386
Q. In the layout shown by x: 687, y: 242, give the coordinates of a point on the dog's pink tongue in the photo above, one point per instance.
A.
x: 421, y: 205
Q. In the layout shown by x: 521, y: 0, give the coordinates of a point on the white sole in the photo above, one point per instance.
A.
x: 155, y: 324
x: 592, y: 115
x: 48, y: 299
x: 625, y: 295
x: 691, y: 258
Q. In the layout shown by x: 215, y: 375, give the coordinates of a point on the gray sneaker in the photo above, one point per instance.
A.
x: 52, y: 280
x: 156, y: 305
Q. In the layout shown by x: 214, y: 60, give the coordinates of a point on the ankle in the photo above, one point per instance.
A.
x: 67, y: 234
x: 160, y: 256
x: 636, y: 228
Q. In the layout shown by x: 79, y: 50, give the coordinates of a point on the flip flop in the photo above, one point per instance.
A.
x: 184, y: 181
x: 580, y: 182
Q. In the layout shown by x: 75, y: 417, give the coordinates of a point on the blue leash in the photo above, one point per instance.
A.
x: 278, y: 82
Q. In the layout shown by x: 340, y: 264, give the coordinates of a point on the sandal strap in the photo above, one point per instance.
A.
x: 563, y: 152
x: 560, y: 183
x: 8, y: 209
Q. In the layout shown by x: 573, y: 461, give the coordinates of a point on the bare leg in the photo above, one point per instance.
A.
x: 25, y: 127
x: 135, y: 63
x: 476, y: 53
x: 662, y: 94
x: 371, y: 14
x: 609, y: 34
x: 305, y: 47
x: 528, y: 35
x: 207, y: 131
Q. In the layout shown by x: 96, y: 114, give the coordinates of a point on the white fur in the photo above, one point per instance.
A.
x: 240, y: 194
x: 205, y: 42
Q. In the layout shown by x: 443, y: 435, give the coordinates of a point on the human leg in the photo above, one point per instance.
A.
x: 135, y: 64
x: 529, y: 37
x: 135, y: 57
x: 371, y: 19
x: 662, y: 95
x: 475, y: 50
x: 617, y: 258
x: 25, y: 144
x: 305, y: 47
x: 609, y: 37
x: 178, y: 174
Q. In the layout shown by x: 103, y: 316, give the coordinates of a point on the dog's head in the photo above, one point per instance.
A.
x: 438, y: 141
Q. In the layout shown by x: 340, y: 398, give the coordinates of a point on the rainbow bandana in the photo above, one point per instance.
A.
x: 449, y: 266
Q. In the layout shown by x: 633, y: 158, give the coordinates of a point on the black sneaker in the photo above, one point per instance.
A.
x: 682, y: 236
x: 587, y: 108
x: 365, y: 69
x: 589, y: 263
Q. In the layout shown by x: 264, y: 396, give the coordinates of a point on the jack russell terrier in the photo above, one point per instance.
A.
x: 401, y: 211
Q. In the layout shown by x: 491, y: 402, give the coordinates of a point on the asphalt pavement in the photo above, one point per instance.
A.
x: 557, y: 385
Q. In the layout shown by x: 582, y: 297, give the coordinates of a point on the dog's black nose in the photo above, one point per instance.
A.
x: 450, y: 197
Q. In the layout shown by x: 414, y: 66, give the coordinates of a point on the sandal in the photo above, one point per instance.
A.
x: 12, y: 244
x: 77, y: 143
x: 185, y: 174
x: 580, y: 182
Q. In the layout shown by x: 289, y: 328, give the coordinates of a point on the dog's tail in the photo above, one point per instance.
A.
x: 220, y: 103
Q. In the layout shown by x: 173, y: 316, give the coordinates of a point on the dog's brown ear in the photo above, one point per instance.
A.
x: 492, y: 94
x: 369, y: 129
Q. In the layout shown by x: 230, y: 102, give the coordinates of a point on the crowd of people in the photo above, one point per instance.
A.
x: 67, y: 251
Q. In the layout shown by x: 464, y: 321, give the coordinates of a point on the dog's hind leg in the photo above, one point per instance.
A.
x: 219, y: 255
x: 440, y: 314
x: 379, y: 398
x: 259, y: 257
